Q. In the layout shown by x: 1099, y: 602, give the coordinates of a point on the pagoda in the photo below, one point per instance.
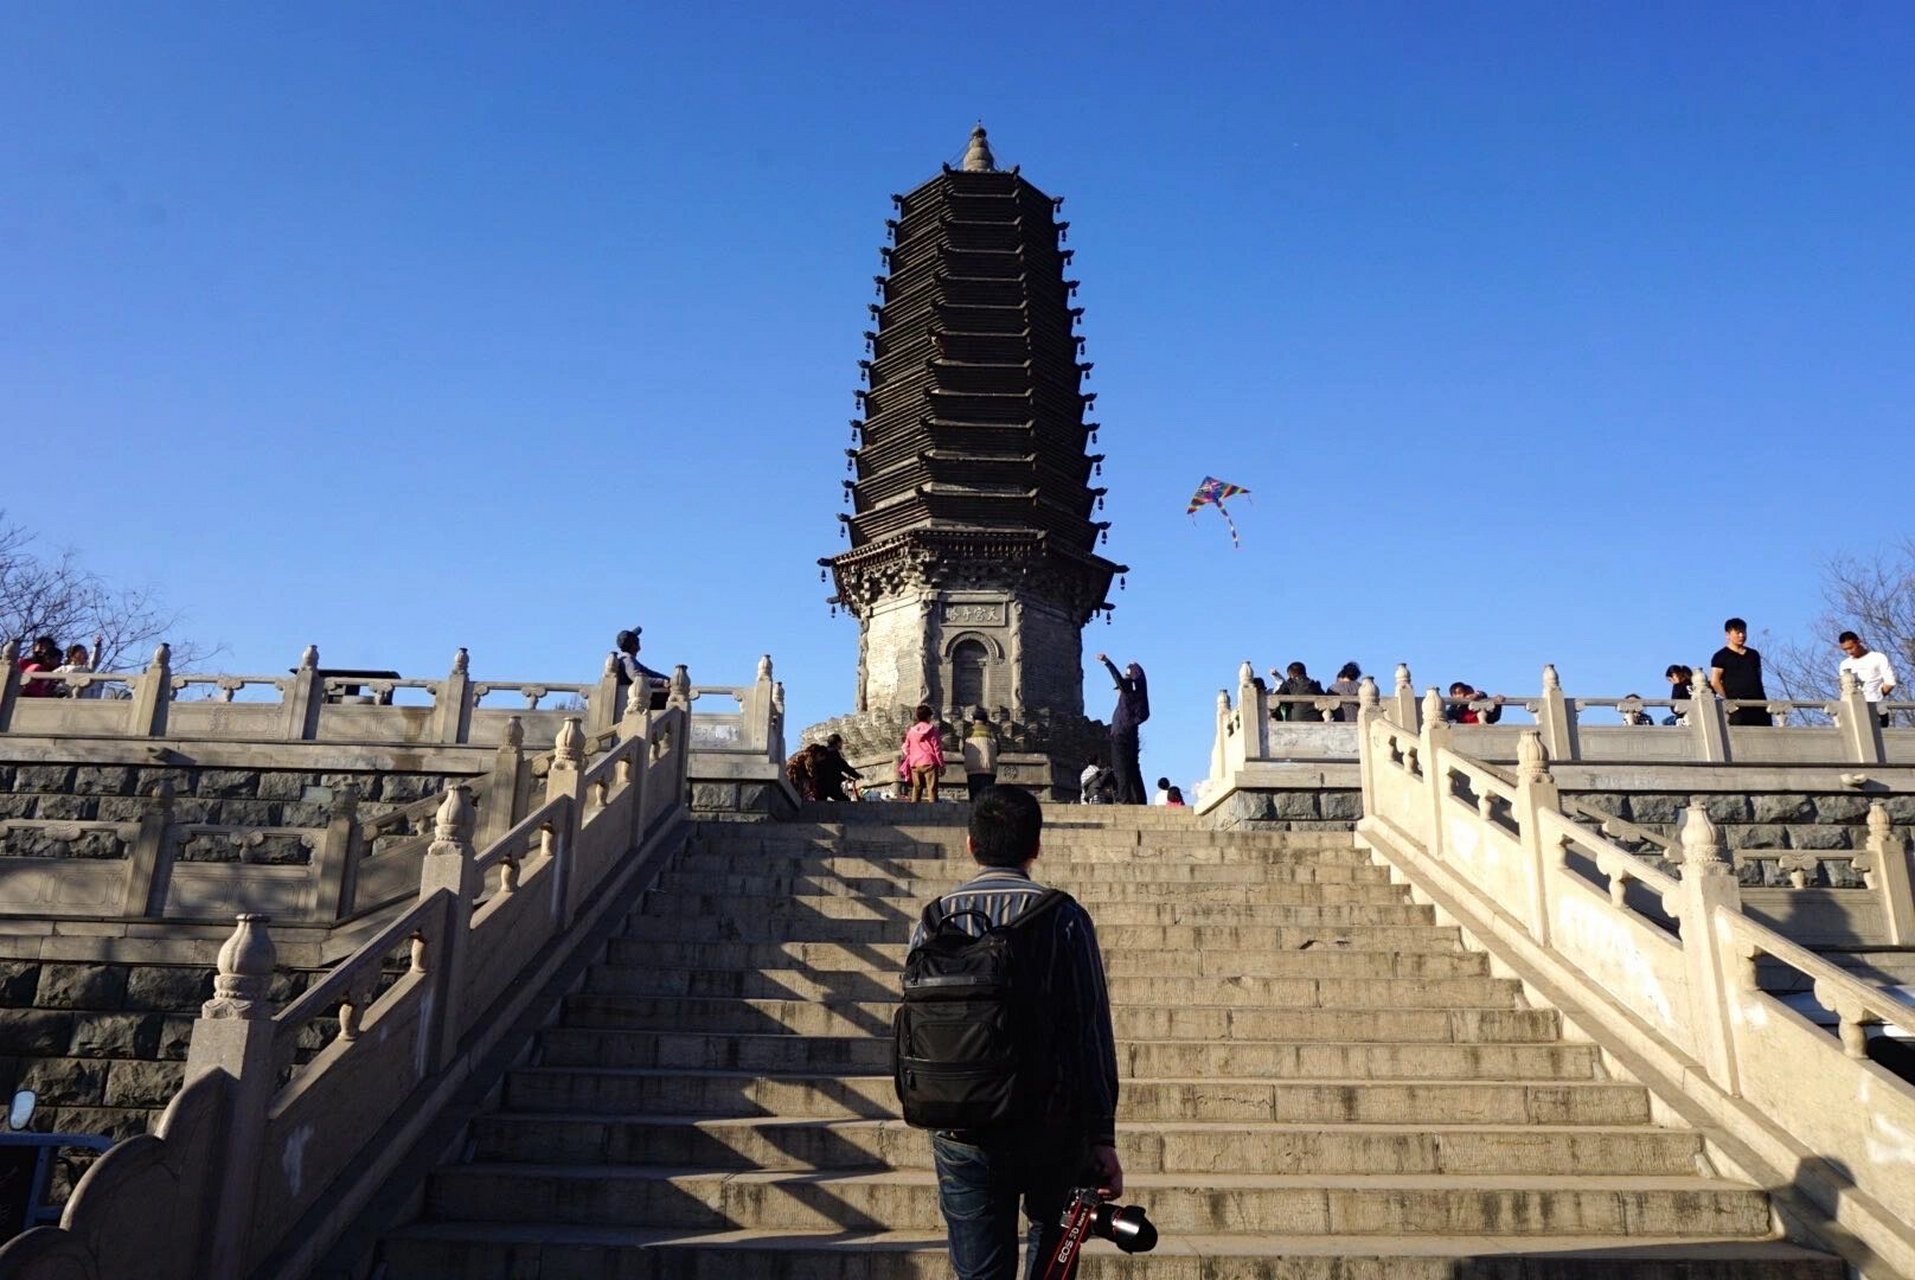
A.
x: 972, y: 567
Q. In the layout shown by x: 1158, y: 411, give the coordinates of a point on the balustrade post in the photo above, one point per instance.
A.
x: 452, y: 709
x: 757, y: 709
x: 1861, y: 730
x: 305, y: 694
x: 1253, y: 707
x: 1435, y: 739
x: 601, y: 705
x: 635, y: 721
x: 1884, y: 868
x: 776, y: 746
x: 680, y: 693
x: 1708, y: 721
x: 451, y: 864
x: 1404, y: 696
x: 1708, y: 887
x: 340, y: 850
x: 233, y: 1037
x: 504, y: 794
x: 152, y: 696
x: 9, y: 682
x: 565, y: 780
x: 148, y: 867
x: 1536, y: 791
x: 1556, y: 719
x: 1220, y: 744
x: 1369, y: 709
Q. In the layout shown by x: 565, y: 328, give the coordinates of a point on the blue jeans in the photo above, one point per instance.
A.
x: 978, y: 1192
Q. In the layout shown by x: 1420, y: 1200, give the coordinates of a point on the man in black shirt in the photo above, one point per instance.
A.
x: 983, y: 1176
x: 1735, y: 672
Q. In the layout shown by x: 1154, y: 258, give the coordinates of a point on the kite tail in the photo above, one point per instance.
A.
x: 1235, y: 541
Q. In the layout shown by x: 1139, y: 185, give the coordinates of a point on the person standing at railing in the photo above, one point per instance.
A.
x: 1871, y: 670
x: 1297, y: 683
x: 1735, y: 672
x: 1349, y: 686
x: 1469, y: 706
x: 1133, y: 708
x: 78, y: 662
x: 632, y: 672
x: 980, y: 754
x: 1681, y: 689
x: 44, y: 656
x: 924, y: 755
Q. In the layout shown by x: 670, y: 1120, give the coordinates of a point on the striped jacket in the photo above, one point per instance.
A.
x: 1068, y: 955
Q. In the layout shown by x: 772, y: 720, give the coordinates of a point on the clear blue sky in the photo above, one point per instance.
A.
x: 1541, y: 332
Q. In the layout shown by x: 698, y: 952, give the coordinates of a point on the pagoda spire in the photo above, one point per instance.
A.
x: 977, y: 156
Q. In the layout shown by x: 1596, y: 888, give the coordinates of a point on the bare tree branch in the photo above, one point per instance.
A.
x: 55, y: 595
x: 1873, y: 596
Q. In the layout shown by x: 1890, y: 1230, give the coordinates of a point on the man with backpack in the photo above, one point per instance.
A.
x: 1005, y: 1049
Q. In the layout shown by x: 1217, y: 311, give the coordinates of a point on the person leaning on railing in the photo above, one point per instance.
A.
x: 1871, y: 670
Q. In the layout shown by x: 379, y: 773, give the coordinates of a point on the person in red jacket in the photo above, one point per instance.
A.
x: 923, y: 755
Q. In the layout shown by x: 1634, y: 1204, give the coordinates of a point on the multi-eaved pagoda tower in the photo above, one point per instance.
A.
x: 972, y: 568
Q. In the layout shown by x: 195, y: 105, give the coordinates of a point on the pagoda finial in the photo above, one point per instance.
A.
x: 977, y: 156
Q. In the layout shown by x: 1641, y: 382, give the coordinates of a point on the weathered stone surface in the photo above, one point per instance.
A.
x: 1757, y: 836
x: 43, y: 777
x: 121, y: 809
x: 118, y: 1123
x: 67, y: 1081
x: 1901, y: 809
x: 1816, y: 836
x: 1782, y: 807
x: 192, y: 809
x: 19, y: 979
x: 287, y: 985
x: 280, y: 851
x: 34, y: 1033
x: 1294, y: 804
x: 168, y: 989
x: 299, y: 813
x: 403, y: 788
x: 226, y: 783
x: 754, y: 797
x: 1341, y: 806
x: 18, y: 804
x: 246, y: 813
x: 142, y: 1084
x: 181, y: 780
x: 115, y: 1035
x: 102, y: 780
x: 1651, y: 808
x: 81, y: 986
x: 1612, y: 803
x: 1725, y: 808
x: 175, y: 1035
x: 713, y: 795
x: 1841, y: 808
x: 281, y: 786
x: 68, y: 807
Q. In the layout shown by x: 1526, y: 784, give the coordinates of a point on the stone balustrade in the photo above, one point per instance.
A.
x: 1663, y: 969
x: 1575, y: 729
x: 258, y: 1162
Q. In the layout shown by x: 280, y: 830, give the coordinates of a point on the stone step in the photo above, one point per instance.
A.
x: 873, y: 1018
x: 715, y: 911
x: 515, y: 1251
x: 1186, y: 1148
x: 1477, y: 992
x: 1330, y: 1204
x: 1105, y: 886
x: 1327, y: 864
x: 888, y: 957
x: 1196, y: 846
x: 1279, y: 1059
x: 738, y: 1093
x: 1113, y: 936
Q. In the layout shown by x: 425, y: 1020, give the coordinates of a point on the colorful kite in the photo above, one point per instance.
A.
x: 1212, y: 492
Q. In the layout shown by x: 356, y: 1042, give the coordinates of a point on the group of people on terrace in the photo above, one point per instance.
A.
x: 47, y: 656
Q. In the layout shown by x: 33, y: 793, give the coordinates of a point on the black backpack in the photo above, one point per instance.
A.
x: 972, y: 1038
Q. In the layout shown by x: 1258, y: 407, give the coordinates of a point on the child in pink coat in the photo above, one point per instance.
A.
x: 923, y: 756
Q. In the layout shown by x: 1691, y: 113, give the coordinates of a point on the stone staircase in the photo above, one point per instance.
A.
x: 1320, y: 1083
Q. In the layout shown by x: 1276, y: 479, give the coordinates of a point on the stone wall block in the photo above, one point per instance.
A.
x: 120, y: 809
x: 281, y: 851
x: 1340, y: 806
x: 18, y: 804
x: 168, y: 989
x: 1653, y: 809
x: 66, y: 808
x: 118, y: 1123
x: 115, y: 1035
x: 43, y: 777
x: 1820, y: 836
x: 246, y: 813
x: 1761, y: 835
x: 81, y: 986
x: 287, y: 986
x: 300, y: 813
x: 1782, y: 807
x: 1840, y: 808
x: 280, y: 785
x: 103, y: 780
x: 754, y: 797
x: 6, y: 776
x: 1727, y: 808
x: 19, y: 979
x: 1294, y: 804
x: 404, y: 788
x: 76, y: 1082
x: 175, y: 1035
x: 181, y: 780
x: 713, y: 795
x: 192, y: 809
x: 227, y: 783
x: 142, y: 1084
x: 1901, y: 809
x: 34, y: 1033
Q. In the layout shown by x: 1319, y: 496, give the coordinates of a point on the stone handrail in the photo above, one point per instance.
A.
x: 309, y: 704
x: 1781, y: 1101
x: 1248, y: 730
x: 247, y: 1175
